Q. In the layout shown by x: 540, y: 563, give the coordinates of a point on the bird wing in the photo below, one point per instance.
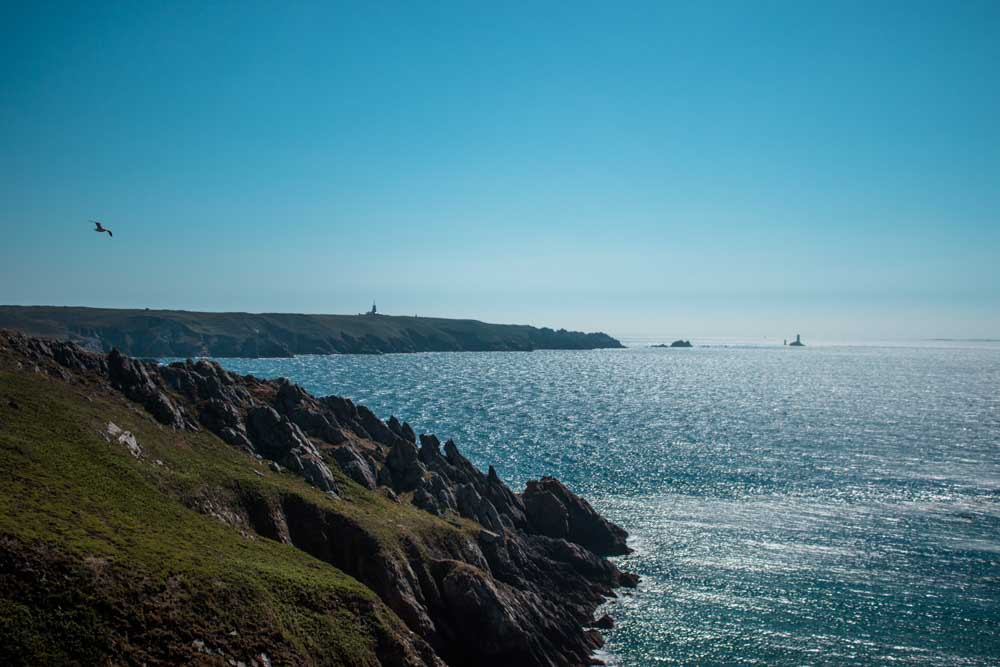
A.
x: 97, y: 225
x: 109, y: 232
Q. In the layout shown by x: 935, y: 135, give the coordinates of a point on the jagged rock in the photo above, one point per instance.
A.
x: 508, y: 504
x: 430, y: 449
x: 555, y: 511
x: 473, y: 506
x: 236, y: 437
x: 441, y: 491
x: 346, y: 414
x: 202, y: 379
x: 497, y: 553
x: 394, y: 425
x: 423, y: 499
x: 404, y: 466
x: 596, y: 641
x: 166, y: 411
x: 216, y: 414
x: 309, y: 464
x: 375, y: 427
x: 273, y: 435
x: 296, y: 404
x: 493, y: 624
x: 409, y: 433
x: 132, y: 379
x: 74, y: 357
x: 547, y: 515
x: 355, y: 466
x: 479, y: 609
x: 434, y: 495
x: 605, y: 622
x: 582, y: 560
x: 278, y: 439
x: 404, y: 430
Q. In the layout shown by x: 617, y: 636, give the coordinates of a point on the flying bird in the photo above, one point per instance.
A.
x: 98, y: 227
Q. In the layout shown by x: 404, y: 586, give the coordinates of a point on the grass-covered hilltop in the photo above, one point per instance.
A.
x: 182, y: 514
x: 179, y: 333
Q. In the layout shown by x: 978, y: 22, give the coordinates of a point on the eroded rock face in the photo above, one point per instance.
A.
x: 403, y: 430
x: 131, y: 377
x: 357, y: 467
x: 272, y: 435
x: 519, y: 593
x: 275, y: 437
x: 295, y: 403
x: 555, y: 511
x: 406, y: 470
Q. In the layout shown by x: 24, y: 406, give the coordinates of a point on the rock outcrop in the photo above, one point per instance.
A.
x: 555, y: 511
x: 676, y: 343
x: 507, y: 579
x: 132, y: 378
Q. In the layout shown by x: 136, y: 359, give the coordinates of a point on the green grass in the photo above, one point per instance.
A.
x: 104, y: 560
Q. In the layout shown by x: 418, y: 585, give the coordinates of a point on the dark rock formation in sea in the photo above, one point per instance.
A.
x: 178, y: 333
x: 494, y: 577
x: 676, y: 343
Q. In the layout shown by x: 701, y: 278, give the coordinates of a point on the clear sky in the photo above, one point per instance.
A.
x: 689, y: 169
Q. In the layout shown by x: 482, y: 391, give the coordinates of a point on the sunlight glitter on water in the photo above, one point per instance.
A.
x: 831, y: 505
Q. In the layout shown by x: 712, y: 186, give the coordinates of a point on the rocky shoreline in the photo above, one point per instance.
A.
x: 506, y: 578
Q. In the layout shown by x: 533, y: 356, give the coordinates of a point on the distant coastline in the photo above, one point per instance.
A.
x: 181, y: 333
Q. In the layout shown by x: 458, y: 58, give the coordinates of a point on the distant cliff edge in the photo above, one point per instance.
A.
x: 180, y: 333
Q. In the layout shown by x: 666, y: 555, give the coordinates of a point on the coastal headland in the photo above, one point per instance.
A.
x: 187, y: 515
x: 181, y: 333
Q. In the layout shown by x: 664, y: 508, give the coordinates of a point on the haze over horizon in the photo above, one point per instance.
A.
x: 661, y: 169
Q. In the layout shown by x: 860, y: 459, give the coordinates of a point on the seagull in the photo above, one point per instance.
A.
x: 98, y: 227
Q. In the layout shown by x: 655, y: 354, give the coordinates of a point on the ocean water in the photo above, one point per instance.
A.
x: 825, y: 505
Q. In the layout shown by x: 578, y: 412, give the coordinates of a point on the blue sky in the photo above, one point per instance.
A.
x: 653, y: 168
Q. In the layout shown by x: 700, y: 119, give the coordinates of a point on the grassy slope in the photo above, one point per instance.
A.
x: 130, y: 573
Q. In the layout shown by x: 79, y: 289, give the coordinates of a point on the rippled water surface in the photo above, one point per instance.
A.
x: 821, y: 505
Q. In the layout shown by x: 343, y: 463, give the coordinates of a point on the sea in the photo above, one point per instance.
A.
x: 836, y: 504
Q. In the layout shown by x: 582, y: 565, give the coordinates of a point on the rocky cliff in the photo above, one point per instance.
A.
x: 463, y: 570
x: 177, y: 333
